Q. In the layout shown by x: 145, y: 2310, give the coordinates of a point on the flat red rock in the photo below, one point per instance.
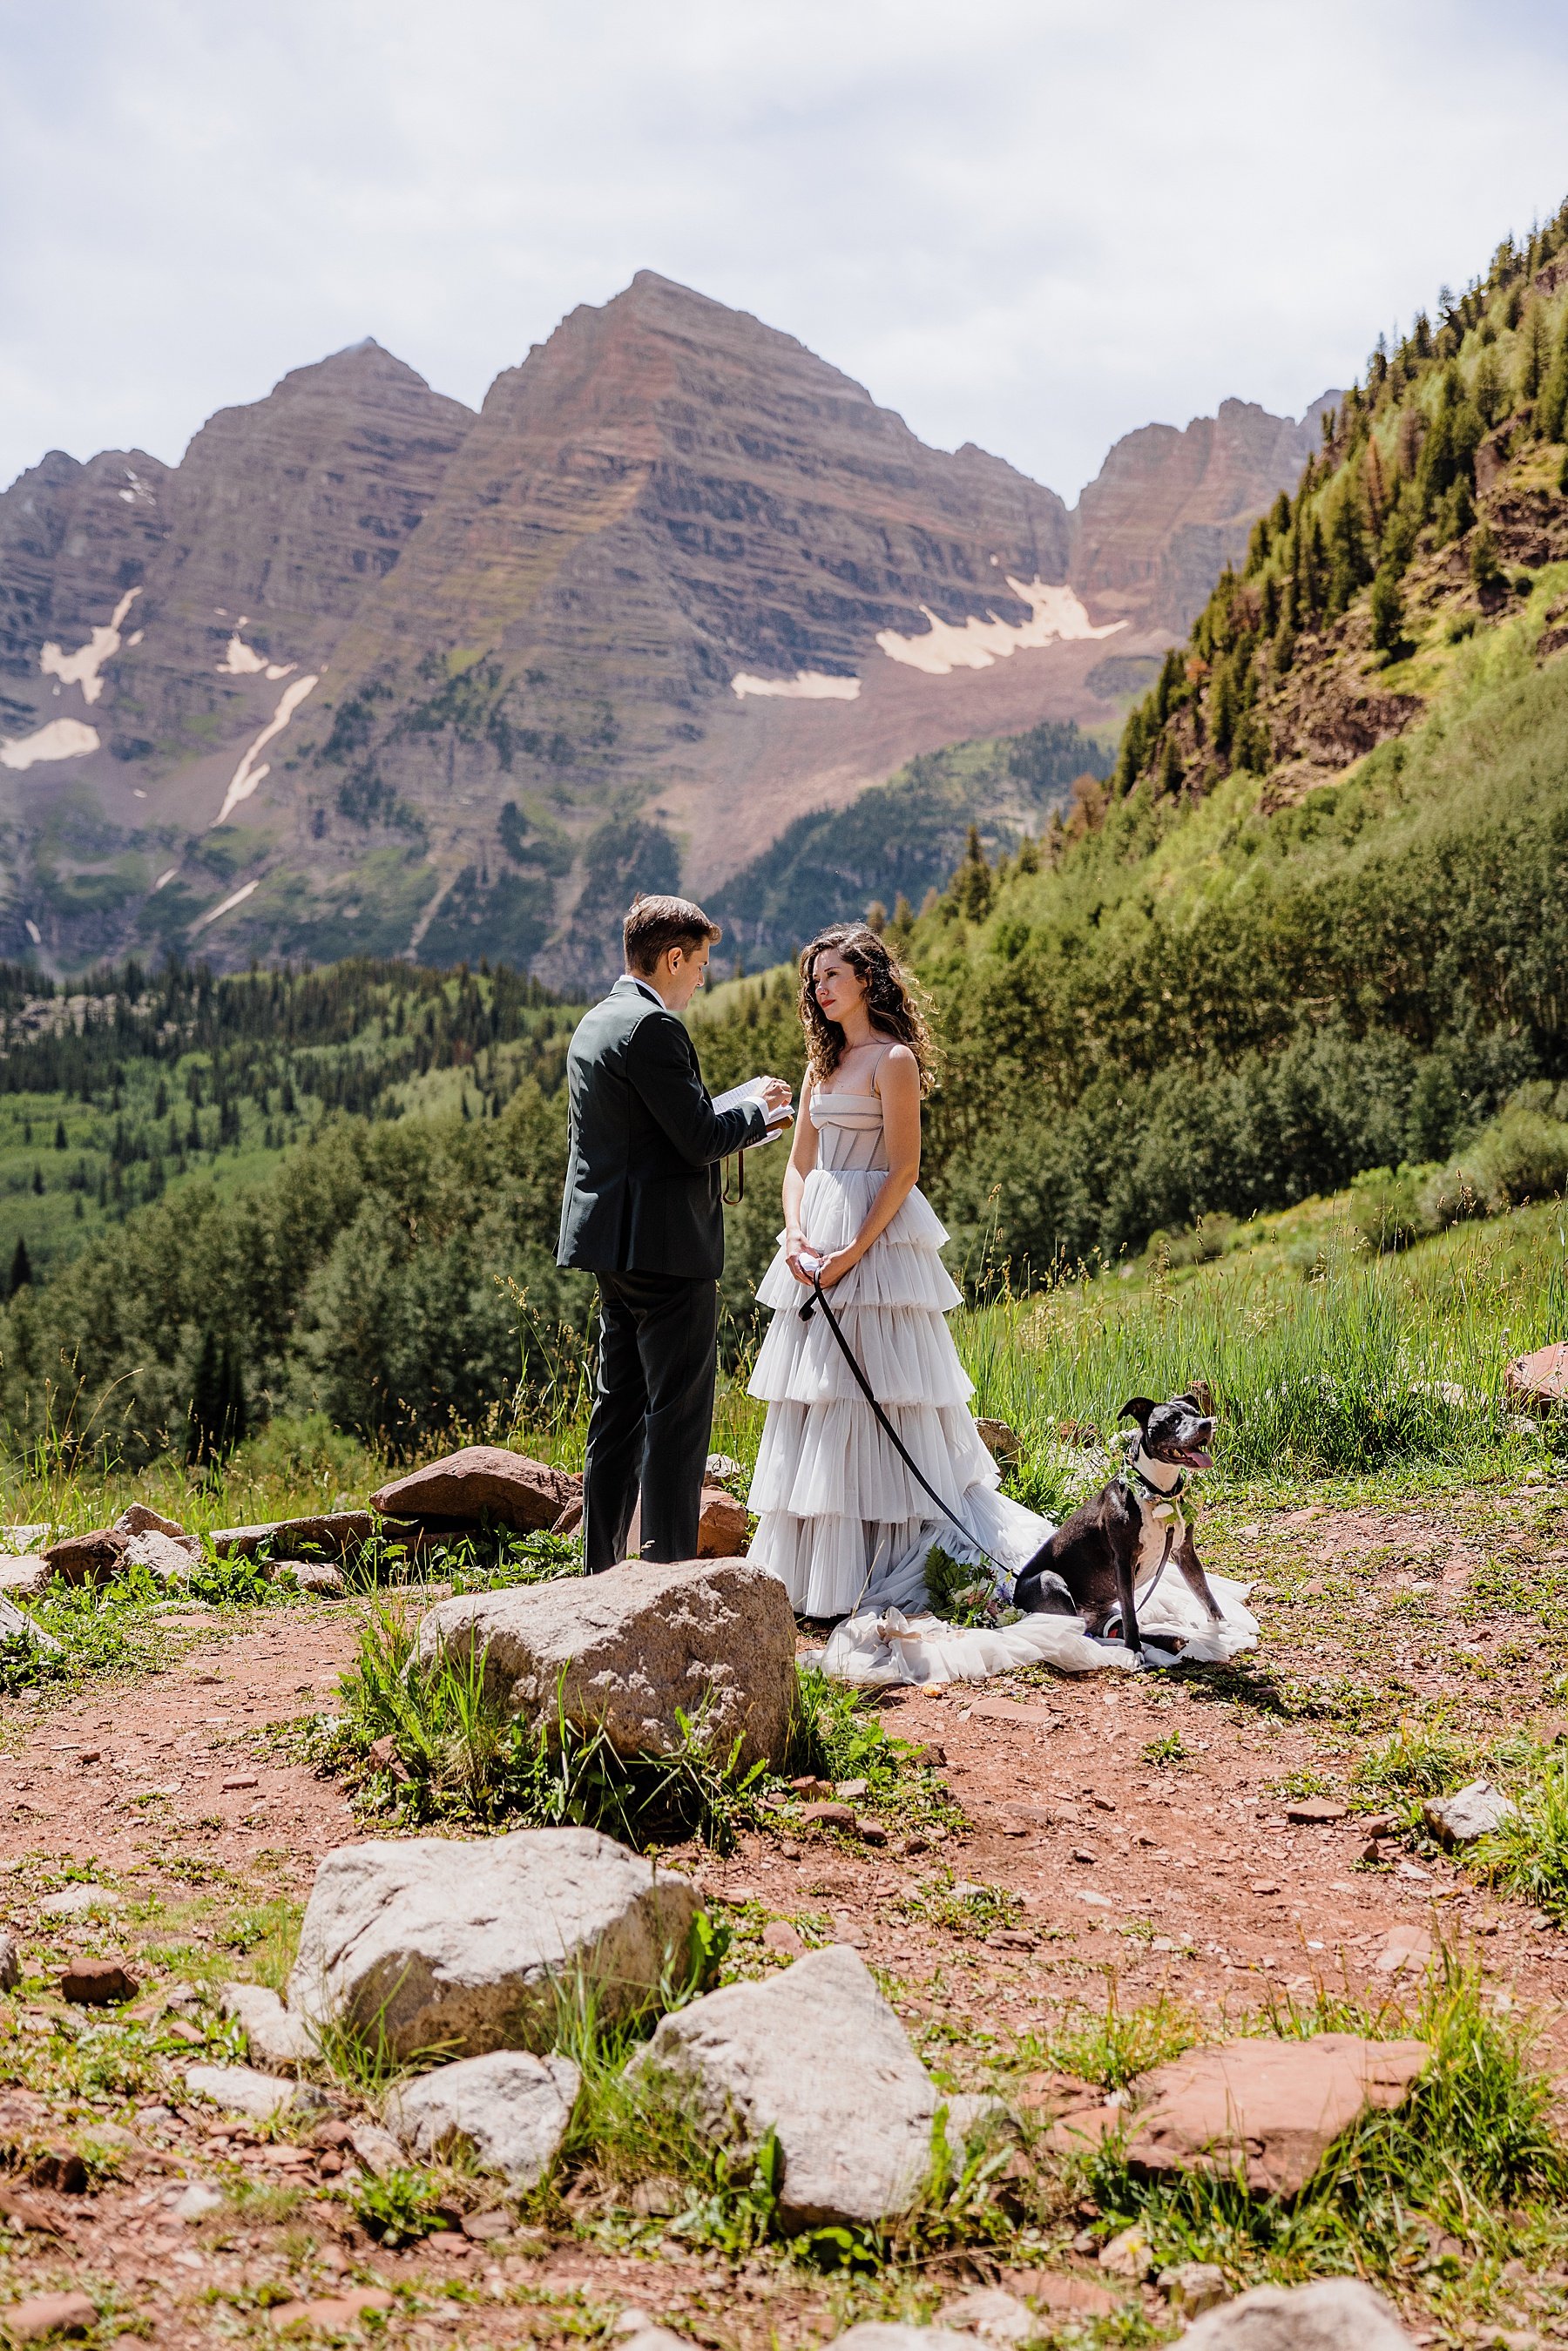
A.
x: 483, y: 1483
x: 721, y: 1529
x: 48, y: 2314
x: 1541, y: 1378
x: 1267, y: 2109
x: 98, y: 1983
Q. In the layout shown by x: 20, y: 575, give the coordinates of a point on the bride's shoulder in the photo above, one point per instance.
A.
x: 899, y: 1065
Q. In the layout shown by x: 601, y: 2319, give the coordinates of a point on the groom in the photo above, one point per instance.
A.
x: 643, y: 1212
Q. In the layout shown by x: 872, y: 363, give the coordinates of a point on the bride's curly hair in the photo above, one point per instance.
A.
x: 892, y: 1000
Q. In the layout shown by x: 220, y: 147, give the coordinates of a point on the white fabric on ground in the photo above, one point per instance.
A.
x: 886, y: 1646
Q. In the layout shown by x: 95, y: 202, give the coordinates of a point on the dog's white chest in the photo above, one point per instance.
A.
x: 1159, y: 1519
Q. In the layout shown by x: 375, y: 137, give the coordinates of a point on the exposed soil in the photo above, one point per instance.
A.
x: 1183, y: 1878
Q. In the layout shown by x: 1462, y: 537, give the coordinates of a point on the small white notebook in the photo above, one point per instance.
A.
x: 778, y: 1119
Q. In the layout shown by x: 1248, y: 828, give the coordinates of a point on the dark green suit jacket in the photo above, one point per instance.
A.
x: 642, y: 1188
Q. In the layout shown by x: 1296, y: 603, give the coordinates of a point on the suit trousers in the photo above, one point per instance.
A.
x: 653, y: 1415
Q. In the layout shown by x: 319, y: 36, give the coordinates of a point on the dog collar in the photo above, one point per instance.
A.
x: 1136, y: 1475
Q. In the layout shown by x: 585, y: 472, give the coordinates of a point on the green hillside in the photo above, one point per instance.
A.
x: 897, y: 843
x: 1318, y: 921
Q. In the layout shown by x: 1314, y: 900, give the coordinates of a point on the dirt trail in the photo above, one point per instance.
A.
x: 1183, y: 1878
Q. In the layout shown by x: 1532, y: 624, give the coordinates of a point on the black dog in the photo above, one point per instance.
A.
x: 1128, y: 1533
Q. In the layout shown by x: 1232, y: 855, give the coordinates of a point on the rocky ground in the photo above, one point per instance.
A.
x: 1126, y: 1839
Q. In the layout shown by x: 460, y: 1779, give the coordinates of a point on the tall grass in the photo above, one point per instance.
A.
x: 1369, y: 1364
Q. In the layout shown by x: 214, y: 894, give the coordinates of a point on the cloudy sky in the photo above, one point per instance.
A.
x: 1032, y: 223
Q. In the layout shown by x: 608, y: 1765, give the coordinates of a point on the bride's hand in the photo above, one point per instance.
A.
x: 834, y: 1268
x: 794, y: 1249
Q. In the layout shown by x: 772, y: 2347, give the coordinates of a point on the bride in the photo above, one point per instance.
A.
x: 841, y: 1518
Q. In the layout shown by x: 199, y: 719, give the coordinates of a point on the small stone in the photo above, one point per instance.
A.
x: 1265, y: 1886
x: 658, y: 2199
x: 1082, y: 1853
x: 994, y: 2315
x: 277, y: 2041
x: 721, y: 1525
x: 1193, y: 2288
x: 48, y: 2314
x: 1003, y: 1443
x: 895, y: 2335
x: 1307, y: 1811
x: 24, y: 1579
x: 238, y: 1779
x: 722, y: 1469
x: 1127, y: 2253
x: 849, y: 1792
x: 778, y: 1935
x: 243, y: 2091
x: 79, y: 1902
x: 508, y: 2111
x: 10, y: 1963
x: 376, y: 2148
x: 483, y: 2228
x: 1334, y: 2315
x: 98, y: 1983
x: 168, y: 1559
x: 1473, y: 1811
x: 1407, y: 1949
x: 314, y: 1575
x: 196, y: 2201
x: 16, y: 1624
x: 869, y: 1832
x: 332, y: 2313
x: 141, y: 1520
x: 827, y: 1817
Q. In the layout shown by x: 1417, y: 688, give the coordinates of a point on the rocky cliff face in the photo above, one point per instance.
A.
x: 1168, y: 509
x: 366, y: 672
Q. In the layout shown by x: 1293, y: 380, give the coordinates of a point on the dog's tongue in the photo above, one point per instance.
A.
x: 1196, y: 1459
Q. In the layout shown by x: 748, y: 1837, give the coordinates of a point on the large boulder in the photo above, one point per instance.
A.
x: 1266, y: 2110
x: 507, y: 2112
x: 818, y: 2055
x: 1334, y: 2315
x: 482, y: 1485
x: 635, y: 1648
x: 433, y: 1944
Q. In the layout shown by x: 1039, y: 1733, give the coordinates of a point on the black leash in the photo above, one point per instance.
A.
x: 818, y: 1298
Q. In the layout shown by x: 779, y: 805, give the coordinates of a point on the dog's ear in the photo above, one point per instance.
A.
x: 1200, y: 1396
x: 1137, y: 1408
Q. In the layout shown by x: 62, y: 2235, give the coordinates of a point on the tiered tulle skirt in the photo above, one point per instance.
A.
x: 835, y: 1504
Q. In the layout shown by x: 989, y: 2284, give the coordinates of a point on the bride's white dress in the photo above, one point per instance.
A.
x: 842, y: 1518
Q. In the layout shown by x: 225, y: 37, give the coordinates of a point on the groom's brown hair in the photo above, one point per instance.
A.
x: 656, y: 925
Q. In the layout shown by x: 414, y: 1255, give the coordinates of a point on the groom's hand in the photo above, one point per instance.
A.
x: 776, y: 1095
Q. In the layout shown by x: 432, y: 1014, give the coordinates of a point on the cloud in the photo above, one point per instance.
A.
x: 1035, y: 226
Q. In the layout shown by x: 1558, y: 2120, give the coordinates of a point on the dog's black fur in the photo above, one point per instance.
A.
x: 1096, y: 1555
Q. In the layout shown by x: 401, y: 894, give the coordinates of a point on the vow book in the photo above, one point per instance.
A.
x: 777, y: 1119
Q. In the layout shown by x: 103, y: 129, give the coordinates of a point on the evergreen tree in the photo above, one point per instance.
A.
x: 1534, y: 353
x: 21, y: 1269
x: 61, y: 1143
x: 1387, y: 612
x: 974, y: 885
